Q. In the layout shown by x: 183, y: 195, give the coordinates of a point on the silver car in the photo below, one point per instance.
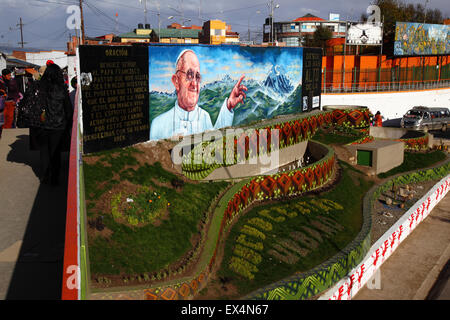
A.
x: 424, y: 118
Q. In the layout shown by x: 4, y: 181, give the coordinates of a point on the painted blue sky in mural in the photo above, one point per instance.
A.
x: 228, y: 62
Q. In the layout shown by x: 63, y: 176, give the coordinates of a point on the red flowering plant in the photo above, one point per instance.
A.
x: 284, y: 181
x: 277, y: 135
x: 230, y: 210
x: 296, y: 129
x: 321, y: 120
x: 268, y: 186
x: 355, y: 117
x: 339, y: 117
x: 309, y: 175
x: 328, y: 119
x: 245, y: 195
x: 254, y: 188
x: 277, y: 131
x: 287, y: 133
x: 313, y: 124
x: 264, y: 140
x: 318, y: 174
x: 253, y: 143
x: 299, y: 180
x: 305, y: 128
x: 367, y: 115
x: 365, y: 139
x: 242, y: 147
x: 237, y: 203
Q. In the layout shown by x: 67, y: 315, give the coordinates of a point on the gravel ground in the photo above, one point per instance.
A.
x: 385, y: 216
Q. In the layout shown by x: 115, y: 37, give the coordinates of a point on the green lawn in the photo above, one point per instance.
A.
x: 415, y: 161
x: 342, y: 205
x: 333, y: 137
x: 149, y: 248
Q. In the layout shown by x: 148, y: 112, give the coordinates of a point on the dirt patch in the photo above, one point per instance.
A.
x: 385, y: 216
x: 94, y: 232
x: 152, y: 152
x: 103, y: 204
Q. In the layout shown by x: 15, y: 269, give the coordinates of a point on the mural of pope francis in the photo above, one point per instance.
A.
x: 186, y: 117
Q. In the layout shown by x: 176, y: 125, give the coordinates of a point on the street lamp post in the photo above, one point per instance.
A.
x: 272, y: 8
x: 145, y: 10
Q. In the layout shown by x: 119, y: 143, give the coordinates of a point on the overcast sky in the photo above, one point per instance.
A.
x: 45, y: 20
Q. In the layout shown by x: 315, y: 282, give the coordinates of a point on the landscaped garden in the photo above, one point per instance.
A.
x: 152, y: 224
x: 148, y: 227
x: 415, y: 161
x: 275, y: 240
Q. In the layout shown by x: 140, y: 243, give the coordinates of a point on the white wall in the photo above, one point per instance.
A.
x: 40, y: 58
x: 72, y: 68
x: 392, y: 105
x: 2, y: 62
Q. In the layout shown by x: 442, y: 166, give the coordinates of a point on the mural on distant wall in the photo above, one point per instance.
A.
x: 421, y: 39
x: 198, y: 88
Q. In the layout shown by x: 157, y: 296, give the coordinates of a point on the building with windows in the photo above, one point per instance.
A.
x: 176, y: 25
x: 141, y: 34
x: 75, y: 42
x: 293, y: 33
x: 173, y: 35
x: 231, y: 37
x: 218, y: 32
x: 214, y: 32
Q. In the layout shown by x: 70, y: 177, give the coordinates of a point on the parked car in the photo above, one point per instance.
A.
x: 425, y: 118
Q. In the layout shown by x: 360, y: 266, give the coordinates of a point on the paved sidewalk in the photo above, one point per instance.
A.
x: 32, y: 223
x: 412, y: 270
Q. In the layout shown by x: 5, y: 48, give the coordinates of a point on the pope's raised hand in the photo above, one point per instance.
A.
x: 237, y: 95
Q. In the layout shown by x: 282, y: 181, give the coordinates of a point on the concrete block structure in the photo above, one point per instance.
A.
x: 381, y: 155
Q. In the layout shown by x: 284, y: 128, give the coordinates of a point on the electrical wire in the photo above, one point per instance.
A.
x: 100, y: 12
x: 44, y: 15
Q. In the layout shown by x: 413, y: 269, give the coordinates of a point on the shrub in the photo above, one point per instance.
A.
x: 243, y: 267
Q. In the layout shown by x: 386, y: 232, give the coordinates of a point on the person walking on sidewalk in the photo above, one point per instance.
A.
x: 13, y: 96
x: 56, y: 121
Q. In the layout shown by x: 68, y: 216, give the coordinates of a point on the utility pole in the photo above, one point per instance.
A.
x: 82, y: 22
x: 145, y: 11
x: 272, y: 7
x: 116, y: 26
x: 271, y: 19
x: 159, y: 20
x: 21, y: 32
x: 200, y: 14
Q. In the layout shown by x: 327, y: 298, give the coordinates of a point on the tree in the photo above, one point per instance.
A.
x: 319, y: 38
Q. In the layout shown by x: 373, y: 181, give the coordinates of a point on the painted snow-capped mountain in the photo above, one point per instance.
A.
x: 277, y: 81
